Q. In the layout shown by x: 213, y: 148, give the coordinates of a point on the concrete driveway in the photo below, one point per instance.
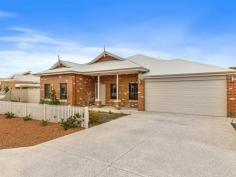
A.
x: 143, y: 144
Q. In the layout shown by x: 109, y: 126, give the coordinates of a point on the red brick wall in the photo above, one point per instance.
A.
x: 231, y: 95
x: 55, y: 84
x: 81, y: 89
x: 85, y: 90
x: 141, y: 95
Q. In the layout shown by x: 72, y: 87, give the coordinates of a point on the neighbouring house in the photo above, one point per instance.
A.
x: 145, y: 83
x: 1, y: 79
x: 23, y: 87
x: 21, y: 80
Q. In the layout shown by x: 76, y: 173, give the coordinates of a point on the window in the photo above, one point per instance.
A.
x: 133, y: 91
x: 47, y: 90
x: 113, y: 91
x: 63, y: 91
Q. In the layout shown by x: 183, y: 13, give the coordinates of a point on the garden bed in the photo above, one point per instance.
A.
x: 16, y: 132
x: 96, y: 117
x: 234, y: 125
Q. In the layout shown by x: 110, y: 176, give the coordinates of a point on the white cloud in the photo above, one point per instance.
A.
x: 4, y: 14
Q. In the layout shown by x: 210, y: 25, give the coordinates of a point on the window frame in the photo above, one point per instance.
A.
x: 133, y: 94
x: 47, y: 91
x: 63, y: 96
x: 113, y: 96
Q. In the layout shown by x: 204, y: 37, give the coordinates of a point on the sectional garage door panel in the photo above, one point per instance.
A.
x: 201, y: 97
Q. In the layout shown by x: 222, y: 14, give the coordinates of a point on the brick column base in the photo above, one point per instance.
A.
x: 98, y: 104
x: 117, y: 105
x: 141, y: 95
x: 231, y: 95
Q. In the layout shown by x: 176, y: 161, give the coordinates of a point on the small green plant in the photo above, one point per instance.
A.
x: 6, y: 89
x: 44, y: 122
x: 110, y: 112
x: 71, y: 122
x: 9, y: 115
x: 27, y: 118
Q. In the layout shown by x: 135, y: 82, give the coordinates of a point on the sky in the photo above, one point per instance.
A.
x: 34, y: 33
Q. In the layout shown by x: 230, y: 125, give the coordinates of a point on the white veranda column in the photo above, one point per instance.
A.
x: 98, y: 89
x: 117, y: 87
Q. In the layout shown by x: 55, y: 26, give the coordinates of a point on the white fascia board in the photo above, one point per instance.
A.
x: 187, y: 75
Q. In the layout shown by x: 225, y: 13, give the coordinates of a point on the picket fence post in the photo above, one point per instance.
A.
x: 25, y: 109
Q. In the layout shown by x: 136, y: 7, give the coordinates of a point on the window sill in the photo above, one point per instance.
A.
x: 115, y: 100
x: 46, y: 99
x: 63, y: 100
x: 133, y: 100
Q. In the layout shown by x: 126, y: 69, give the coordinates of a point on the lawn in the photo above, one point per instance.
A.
x: 16, y: 132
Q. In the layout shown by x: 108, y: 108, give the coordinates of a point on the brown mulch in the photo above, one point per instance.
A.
x: 19, y: 133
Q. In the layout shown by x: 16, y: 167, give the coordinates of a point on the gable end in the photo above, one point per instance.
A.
x: 106, y: 58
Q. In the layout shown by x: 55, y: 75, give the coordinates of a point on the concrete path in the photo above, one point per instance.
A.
x: 139, y: 145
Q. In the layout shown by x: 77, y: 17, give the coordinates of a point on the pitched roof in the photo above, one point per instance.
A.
x: 158, y: 67
x: 108, y: 66
x: 147, y: 65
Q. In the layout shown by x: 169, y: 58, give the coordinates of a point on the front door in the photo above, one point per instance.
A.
x: 102, y: 94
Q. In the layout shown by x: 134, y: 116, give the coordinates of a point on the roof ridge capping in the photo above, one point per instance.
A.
x: 146, y: 56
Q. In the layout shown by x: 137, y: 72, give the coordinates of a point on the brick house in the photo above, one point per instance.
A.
x: 144, y: 83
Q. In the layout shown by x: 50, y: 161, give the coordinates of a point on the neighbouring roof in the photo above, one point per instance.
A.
x: 23, y: 77
x: 147, y: 65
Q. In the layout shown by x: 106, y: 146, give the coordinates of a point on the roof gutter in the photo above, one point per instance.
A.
x: 94, y: 72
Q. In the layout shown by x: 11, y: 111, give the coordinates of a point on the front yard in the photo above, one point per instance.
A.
x: 16, y: 132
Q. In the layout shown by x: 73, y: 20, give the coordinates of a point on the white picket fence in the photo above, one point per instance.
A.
x: 52, y: 113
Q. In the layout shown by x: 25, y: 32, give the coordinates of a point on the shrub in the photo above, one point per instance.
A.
x: 50, y: 101
x: 110, y: 112
x: 6, y: 89
x: 71, y: 122
x: 44, y: 122
x: 53, y: 98
x: 9, y: 115
x: 27, y: 118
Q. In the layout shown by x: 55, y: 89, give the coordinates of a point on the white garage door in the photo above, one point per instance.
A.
x: 201, y: 96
